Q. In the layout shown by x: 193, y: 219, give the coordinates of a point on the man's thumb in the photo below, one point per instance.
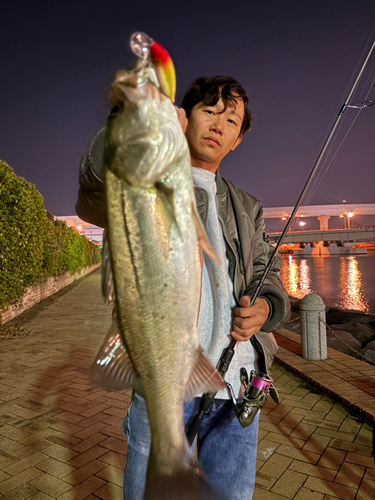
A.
x: 245, y: 301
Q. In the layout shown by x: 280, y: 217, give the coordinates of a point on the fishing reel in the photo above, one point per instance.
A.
x: 254, y: 396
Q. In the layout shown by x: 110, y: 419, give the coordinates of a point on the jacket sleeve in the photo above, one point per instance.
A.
x: 272, y: 290
x: 91, y: 203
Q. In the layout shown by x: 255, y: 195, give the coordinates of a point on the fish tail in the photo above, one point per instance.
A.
x: 185, y: 484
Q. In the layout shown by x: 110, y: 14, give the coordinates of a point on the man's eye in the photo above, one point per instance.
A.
x: 232, y: 121
x: 209, y: 112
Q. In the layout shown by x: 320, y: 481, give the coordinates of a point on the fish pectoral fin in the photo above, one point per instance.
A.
x: 112, y: 367
x: 203, y: 241
x: 165, y: 194
x: 165, y: 216
x: 108, y: 289
x: 203, y: 378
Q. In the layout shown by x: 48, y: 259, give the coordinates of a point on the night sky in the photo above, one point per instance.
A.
x: 296, y: 60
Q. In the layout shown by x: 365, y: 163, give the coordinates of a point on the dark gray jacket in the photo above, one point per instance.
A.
x: 247, y: 242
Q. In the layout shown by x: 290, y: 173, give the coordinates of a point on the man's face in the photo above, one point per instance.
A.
x: 211, y: 133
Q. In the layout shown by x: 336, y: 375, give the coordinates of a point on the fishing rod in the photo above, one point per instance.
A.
x: 257, y: 390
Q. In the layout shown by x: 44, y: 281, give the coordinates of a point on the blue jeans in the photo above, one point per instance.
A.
x: 226, y: 451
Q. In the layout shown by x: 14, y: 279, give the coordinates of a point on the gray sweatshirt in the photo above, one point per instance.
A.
x: 217, y: 301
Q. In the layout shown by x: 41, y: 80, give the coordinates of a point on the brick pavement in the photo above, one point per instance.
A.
x: 347, y: 379
x: 311, y: 447
x: 61, y: 437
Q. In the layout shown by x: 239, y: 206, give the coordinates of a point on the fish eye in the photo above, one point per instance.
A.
x: 116, y: 109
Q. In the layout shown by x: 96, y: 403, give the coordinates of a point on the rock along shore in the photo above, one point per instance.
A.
x: 353, y: 332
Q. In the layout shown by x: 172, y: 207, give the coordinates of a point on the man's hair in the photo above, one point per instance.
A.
x: 210, y: 90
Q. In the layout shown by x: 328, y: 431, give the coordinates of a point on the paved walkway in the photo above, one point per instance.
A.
x: 61, y: 437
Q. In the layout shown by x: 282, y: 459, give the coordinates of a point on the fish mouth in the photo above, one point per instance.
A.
x: 212, y: 141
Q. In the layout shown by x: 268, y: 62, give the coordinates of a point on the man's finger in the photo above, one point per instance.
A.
x: 245, y: 301
x: 243, y: 335
x: 245, y: 323
x: 244, y: 312
x: 239, y: 338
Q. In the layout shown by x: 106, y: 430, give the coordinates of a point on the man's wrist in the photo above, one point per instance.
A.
x: 270, y: 312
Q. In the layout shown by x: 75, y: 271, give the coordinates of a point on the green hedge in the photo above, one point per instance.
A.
x: 33, y: 246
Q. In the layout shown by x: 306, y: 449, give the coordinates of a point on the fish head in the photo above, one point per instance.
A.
x: 143, y: 134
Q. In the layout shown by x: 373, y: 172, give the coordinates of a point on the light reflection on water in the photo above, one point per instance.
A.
x: 296, y: 277
x: 346, y: 281
x: 351, y: 286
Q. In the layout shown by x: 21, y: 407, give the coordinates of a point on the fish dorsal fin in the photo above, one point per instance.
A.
x: 203, y: 241
x: 108, y: 288
x: 112, y: 368
x: 203, y: 378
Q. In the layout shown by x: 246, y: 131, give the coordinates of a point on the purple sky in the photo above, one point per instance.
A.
x: 295, y: 59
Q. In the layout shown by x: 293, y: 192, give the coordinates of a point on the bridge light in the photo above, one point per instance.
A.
x: 350, y: 214
x: 302, y: 223
x: 283, y: 218
x: 79, y: 228
x: 341, y: 216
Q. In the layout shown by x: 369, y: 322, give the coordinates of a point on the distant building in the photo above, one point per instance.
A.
x: 91, y: 232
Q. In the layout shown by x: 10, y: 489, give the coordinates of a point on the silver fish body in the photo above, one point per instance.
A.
x: 152, y: 269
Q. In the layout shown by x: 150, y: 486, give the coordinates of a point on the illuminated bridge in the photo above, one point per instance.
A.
x: 336, y: 235
x: 322, y: 212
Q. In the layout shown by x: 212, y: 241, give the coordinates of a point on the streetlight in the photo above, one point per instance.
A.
x: 350, y: 215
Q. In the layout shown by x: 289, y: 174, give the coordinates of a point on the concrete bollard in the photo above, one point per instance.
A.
x: 313, y: 330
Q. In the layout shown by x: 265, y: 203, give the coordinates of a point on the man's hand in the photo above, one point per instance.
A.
x: 249, y: 320
x: 182, y: 118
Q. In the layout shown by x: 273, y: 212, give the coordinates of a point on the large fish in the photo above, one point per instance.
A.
x: 151, y: 271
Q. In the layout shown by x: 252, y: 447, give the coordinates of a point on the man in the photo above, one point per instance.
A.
x: 215, y: 114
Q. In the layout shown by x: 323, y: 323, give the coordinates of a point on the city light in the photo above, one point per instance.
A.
x: 302, y: 223
x: 79, y: 228
x: 283, y: 218
x: 350, y: 214
x: 341, y: 216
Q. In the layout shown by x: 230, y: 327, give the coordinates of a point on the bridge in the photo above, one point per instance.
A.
x: 334, y: 235
x: 322, y: 212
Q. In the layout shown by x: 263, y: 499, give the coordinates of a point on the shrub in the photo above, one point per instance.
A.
x: 33, y: 245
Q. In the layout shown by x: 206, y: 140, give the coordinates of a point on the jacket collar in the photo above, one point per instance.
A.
x: 221, y: 185
x: 200, y: 196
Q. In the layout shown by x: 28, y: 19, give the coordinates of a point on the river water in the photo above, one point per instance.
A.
x: 347, y: 282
